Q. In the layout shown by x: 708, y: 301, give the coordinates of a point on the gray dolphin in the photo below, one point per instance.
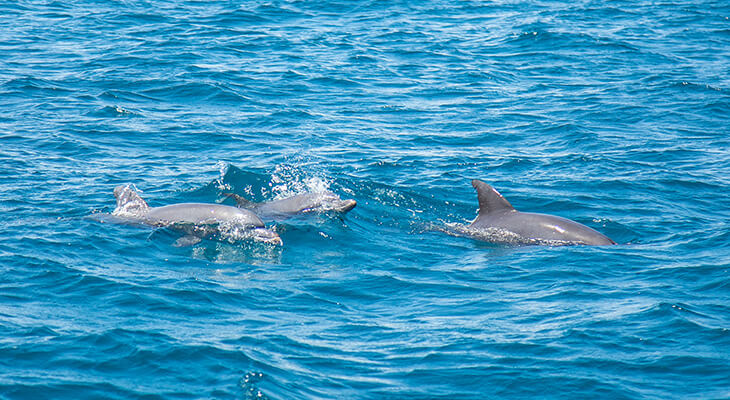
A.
x: 299, y: 204
x: 195, y: 219
x: 499, y: 221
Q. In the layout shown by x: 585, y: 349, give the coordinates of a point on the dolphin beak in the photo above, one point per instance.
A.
x: 346, y: 205
x: 267, y: 236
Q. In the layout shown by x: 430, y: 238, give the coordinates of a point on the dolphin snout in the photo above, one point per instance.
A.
x: 346, y: 205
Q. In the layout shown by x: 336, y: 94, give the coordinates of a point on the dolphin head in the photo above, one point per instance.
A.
x: 346, y: 205
x: 332, y: 202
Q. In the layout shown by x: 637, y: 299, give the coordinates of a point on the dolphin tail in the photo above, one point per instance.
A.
x: 489, y: 198
x: 241, y: 202
x: 129, y: 202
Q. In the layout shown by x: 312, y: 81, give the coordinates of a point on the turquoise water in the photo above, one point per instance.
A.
x: 613, y: 114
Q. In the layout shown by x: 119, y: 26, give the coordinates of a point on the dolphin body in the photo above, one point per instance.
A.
x: 196, y: 220
x: 498, y: 221
x: 299, y: 204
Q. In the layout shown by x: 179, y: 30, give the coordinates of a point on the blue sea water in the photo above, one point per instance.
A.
x: 613, y: 114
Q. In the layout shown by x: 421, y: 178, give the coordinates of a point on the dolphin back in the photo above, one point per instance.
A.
x: 195, y: 220
x: 549, y: 229
x: 497, y: 219
x: 297, y: 204
x: 306, y: 203
x: 201, y: 214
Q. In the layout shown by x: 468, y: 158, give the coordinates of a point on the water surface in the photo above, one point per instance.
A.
x: 613, y: 114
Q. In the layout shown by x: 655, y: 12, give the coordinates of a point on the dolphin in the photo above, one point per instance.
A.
x: 196, y: 220
x: 498, y: 221
x: 299, y: 204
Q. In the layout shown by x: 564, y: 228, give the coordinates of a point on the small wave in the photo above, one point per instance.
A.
x: 115, y: 95
x: 699, y: 87
x: 113, y: 111
x: 193, y: 92
x: 34, y: 86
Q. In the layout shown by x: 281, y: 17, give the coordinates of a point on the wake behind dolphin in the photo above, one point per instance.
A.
x: 196, y: 220
x: 499, y: 222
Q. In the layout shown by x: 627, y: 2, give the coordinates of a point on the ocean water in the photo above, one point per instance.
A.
x: 613, y: 114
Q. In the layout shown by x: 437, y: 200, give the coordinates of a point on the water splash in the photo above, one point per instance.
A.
x: 289, y: 180
x: 220, y: 182
x: 129, y: 202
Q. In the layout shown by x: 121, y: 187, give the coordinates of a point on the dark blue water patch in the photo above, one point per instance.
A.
x: 25, y: 87
x: 131, y: 358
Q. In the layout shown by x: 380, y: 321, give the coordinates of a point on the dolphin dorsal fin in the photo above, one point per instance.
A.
x: 489, y: 198
x: 241, y: 201
x: 129, y: 202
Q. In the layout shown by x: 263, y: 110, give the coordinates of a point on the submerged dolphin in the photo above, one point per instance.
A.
x: 195, y: 219
x: 299, y: 204
x: 499, y: 221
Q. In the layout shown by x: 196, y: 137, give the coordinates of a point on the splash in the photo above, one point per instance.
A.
x: 220, y: 182
x: 129, y: 202
x: 288, y: 180
x: 250, y: 252
x: 234, y: 232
